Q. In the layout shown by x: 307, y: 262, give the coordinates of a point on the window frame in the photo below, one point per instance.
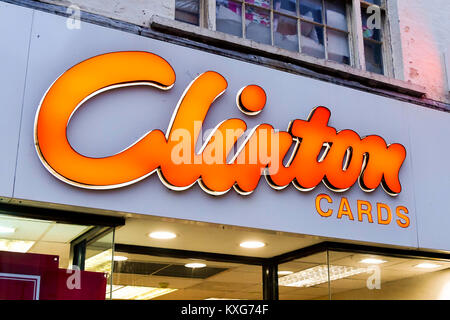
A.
x: 270, y: 265
x: 385, y: 37
x: 354, y: 33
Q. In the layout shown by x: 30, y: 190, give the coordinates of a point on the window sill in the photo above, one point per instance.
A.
x: 226, y: 41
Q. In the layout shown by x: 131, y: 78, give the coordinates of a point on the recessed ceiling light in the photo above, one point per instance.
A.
x: 7, y: 229
x: 372, y: 261
x: 284, y: 273
x: 162, y: 235
x: 318, y: 275
x: 15, y: 245
x: 426, y: 265
x: 120, y: 258
x: 252, y: 244
x: 195, y: 265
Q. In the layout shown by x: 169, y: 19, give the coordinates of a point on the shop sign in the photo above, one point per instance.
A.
x: 233, y: 156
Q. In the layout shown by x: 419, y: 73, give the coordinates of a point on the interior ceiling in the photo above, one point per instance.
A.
x: 49, y: 237
x: 239, y: 281
x: 218, y: 279
x: 229, y: 280
x: 39, y: 230
x: 394, y: 269
x: 209, y: 237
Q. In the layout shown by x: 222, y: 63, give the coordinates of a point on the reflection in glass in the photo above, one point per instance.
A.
x: 285, y: 32
x: 304, y: 278
x: 369, y: 31
x: 99, y: 258
x: 395, y: 279
x: 312, y: 40
x: 257, y: 23
x: 338, y: 49
x: 374, y: 57
x: 341, y: 275
x: 285, y: 6
x: 311, y: 10
x: 336, y: 14
x: 377, y: 2
x: 229, y: 17
x: 187, y: 11
x: 260, y: 3
x: 145, y: 277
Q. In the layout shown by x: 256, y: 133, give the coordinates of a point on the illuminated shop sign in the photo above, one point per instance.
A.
x: 308, y: 153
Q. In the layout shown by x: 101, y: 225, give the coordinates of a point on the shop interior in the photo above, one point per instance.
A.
x: 146, y: 257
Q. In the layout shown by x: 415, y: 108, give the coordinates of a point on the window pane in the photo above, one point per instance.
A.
x: 336, y: 14
x: 260, y: 3
x: 229, y: 17
x: 257, y: 23
x: 304, y: 279
x: 377, y: 2
x: 285, y: 32
x: 286, y: 6
x: 187, y: 11
x: 311, y: 10
x: 338, y: 49
x: 371, y: 27
x: 36, y: 262
x: 99, y: 258
x: 312, y: 40
x: 145, y: 277
x: 374, y: 277
x: 374, y: 57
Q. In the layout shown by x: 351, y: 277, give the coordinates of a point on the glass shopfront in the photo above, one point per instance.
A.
x: 167, y: 259
x: 358, y: 273
x: 44, y: 254
x: 151, y: 277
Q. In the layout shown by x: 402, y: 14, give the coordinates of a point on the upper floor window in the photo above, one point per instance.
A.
x: 318, y: 28
x: 325, y: 29
x: 188, y: 11
x: 372, y: 18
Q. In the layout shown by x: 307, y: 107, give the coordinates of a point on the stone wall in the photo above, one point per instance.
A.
x: 420, y: 33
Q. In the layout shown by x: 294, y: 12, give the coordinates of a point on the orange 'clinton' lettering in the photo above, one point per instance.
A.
x: 348, y: 158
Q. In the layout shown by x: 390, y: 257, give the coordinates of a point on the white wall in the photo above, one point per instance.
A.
x: 424, y: 175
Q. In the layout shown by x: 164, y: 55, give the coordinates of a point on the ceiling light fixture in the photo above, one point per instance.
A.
x: 4, y: 229
x: 195, y: 265
x: 120, y: 258
x: 15, y: 245
x: 426, y: 265
x: 317, y: 275
x: 372, y: 261
x: 252, y: 244
x: 138, y: 293
x: 162, y: 235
